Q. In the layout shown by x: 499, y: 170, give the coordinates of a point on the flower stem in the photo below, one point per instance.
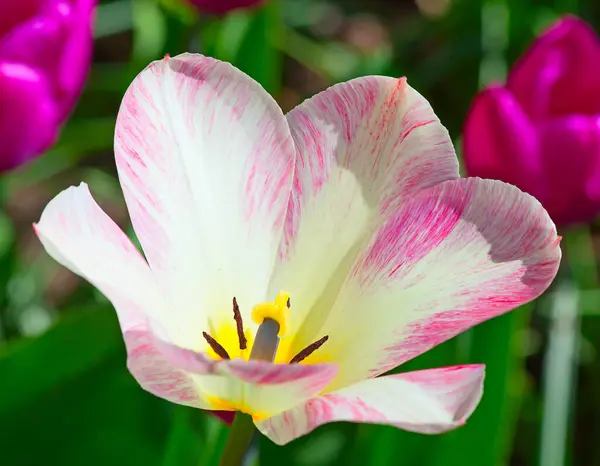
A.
x: 238, y: 440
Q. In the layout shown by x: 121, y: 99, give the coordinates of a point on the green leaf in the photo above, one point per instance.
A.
x: 113, y: 18
x: 183, y: 446
x: 69, y: 399
x: 31, y: 368
x: 487, y: 435
x: 150, y: 31
x: 258, y: 55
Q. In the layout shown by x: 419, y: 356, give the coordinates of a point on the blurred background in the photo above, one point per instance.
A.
x: 66, y: 397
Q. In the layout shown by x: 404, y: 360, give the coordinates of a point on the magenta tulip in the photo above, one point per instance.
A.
x: 541, y: 131
x: 45, y: 52
x: 221, y: 7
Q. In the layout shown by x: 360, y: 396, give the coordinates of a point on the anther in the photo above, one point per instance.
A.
x: 237, y: 316
x: 310, y: 349
x: 217, y: 348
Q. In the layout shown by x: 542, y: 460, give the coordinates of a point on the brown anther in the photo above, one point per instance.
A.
x: 237, y: 316
x: 288, y: 303
x: 217, y: 348
x: 310, y: 349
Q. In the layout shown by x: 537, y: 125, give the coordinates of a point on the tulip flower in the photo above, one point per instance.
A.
x: 541, y: 132
x: 45, y: 52
x: 290, y: 261
x: 221, y: 7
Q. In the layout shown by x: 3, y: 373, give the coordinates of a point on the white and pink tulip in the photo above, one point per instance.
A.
x: 350, y: 205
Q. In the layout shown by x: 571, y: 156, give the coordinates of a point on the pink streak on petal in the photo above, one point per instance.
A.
x: 408, y: 249
x: 155, y: 373
x: 383, y: 117
x: 78, y: 234
x: 429, y: 401
x: 515, y: 235
x: 205, y: 159
x: 451, y: 257
x: 263, y: 373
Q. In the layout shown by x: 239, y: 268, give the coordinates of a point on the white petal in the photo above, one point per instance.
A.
x: 78, y: 234
x: 262, y: 388
x: 430, y: 402
x: 205, y: 158
x: 451, y: 257
x: 362, y: 147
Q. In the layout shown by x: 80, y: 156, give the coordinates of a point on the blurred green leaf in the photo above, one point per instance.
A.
x: 183, y: 446
x: 68, y: 394
x: 79, y: 139
x: 149, y: 31
x: 33, y: 367
x: 113, y: 18
x: 229, y: 35
x: 258, y: 55
x: 487, y: 435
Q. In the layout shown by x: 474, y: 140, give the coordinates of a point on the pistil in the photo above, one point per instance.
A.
x: 266, y: 341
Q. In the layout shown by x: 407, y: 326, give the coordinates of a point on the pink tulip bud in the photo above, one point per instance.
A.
x: 45, y: 52
x: 221, y: 7
x: 541, y: 131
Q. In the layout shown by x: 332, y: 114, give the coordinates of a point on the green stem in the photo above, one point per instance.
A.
x: 238, y: 440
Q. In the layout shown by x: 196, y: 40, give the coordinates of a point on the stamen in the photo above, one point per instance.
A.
x: 237, y: 316
x: 217, y: 348
x: 310, y: 349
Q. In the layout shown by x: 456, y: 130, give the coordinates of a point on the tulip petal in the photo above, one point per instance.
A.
x: 430, y: 402
x: 451, y: 257
x: 362, y: 148
x: 205, y: 159
x: 500, y: 142
x: 29, y: 125
x: 571, y: 147
x: 155, y: 372
x: 263, y: 388
x: 80, y: 236
x: 257, y: 387
x: 57, y: 41
x: 559, y: 74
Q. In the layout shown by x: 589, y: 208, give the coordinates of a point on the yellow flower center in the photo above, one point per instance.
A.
x: 230, y: 340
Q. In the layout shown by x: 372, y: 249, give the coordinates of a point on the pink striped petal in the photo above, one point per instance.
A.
x: 451, y: 257
x: 263, y: 388
x: 156, y: 373
x: 205, y: 159
x: 258, y: 387
x: 430, y: 401
x: 79, y: 235
x: 362, y: 148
